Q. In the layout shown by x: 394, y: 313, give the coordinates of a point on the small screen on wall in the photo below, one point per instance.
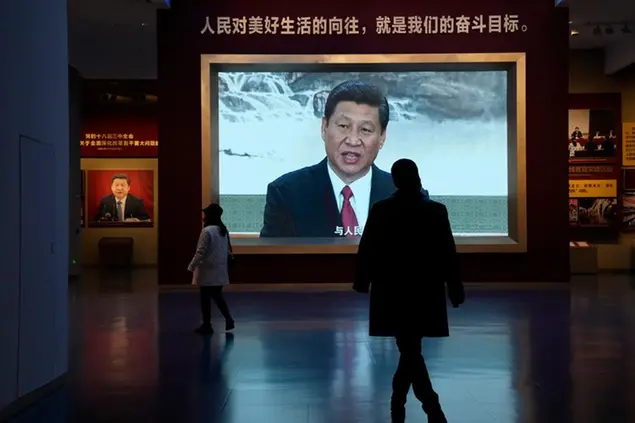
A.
x: 120, y: 198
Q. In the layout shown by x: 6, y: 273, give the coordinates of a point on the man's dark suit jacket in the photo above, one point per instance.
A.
x: 407, y: 255
x: 134, y: 208
x: 302, y: 203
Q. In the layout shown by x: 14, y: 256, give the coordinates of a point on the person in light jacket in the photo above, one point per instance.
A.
x: 210, y: 268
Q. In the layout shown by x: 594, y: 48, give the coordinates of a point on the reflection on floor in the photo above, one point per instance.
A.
x: 534, y: 355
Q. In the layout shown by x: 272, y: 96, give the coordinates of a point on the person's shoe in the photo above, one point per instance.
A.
x: 438, y: 417
x: 204, y: 330
x: 229, y: 325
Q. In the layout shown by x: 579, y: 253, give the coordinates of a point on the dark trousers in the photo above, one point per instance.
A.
x: 209, y: 293
x: 412, y: 370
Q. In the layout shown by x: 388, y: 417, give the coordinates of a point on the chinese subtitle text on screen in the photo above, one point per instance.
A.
x: 348, y: 231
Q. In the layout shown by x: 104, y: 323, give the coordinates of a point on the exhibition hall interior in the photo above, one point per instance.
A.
x: 208, y: 181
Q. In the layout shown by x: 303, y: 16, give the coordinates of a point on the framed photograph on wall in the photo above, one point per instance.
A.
x: 628, y: 200
x: 628, y: 210
x: 120, y: 198
x: 593, y: 135
x: 595, y: 211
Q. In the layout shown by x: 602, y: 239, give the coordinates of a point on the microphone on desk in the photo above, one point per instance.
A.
x: 107, y: 217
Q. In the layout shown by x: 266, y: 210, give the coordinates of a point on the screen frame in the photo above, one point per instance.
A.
x: 513, y: 63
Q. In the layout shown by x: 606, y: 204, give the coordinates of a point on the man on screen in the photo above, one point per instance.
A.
x: 332, y: 198
x: 121, y: 206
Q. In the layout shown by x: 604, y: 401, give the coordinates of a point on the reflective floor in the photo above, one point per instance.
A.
x: 551, y: 353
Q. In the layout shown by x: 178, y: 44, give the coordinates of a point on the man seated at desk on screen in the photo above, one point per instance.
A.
x: 121, y: 206
x: 333, y: 197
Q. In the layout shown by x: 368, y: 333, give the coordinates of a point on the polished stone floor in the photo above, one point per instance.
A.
x: 524, y: 354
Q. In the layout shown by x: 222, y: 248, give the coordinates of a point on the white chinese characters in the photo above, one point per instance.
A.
x: 286, y: 25
x: 387, y: 25
x: 348, y: 231
x: 351, y: 25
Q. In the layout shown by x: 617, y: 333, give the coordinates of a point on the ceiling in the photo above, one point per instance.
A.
x: 585, y: 15
x: 116, y: 39
x: 113, y: 39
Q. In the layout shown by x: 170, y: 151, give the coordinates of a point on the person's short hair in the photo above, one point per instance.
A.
x: 120, y: 176
x: 361, y: 93
x: 405, y: 174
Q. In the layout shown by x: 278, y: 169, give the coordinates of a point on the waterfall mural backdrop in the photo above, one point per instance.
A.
x: 452, y: 124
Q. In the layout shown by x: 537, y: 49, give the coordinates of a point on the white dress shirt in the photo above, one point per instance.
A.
x: 360, y: 201
x: 123, y: 207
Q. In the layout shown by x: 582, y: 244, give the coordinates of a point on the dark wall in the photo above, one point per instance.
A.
x: 34, y: 133
x: 75, y: 82
x: 126, y: 97
x: 545, y: 42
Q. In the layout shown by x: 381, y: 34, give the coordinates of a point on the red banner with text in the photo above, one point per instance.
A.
x: 120, y: 136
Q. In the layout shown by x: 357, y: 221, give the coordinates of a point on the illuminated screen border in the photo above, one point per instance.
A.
x: 513, y: 63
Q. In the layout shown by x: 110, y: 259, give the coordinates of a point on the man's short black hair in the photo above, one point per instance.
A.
x: 361, y: 93
x: 405, y: 175
x: 120, y: 176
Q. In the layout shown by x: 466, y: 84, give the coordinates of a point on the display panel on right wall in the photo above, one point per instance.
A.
x: 594, y: 151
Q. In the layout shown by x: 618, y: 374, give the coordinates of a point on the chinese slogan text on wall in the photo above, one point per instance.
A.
x: 119, y: 144
x: 593, y: 188
x: 115, y: 140
x: 628, y: 143
x: 383, y: 25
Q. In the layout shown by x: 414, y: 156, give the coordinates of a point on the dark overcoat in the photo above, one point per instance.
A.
x: 407, y: 255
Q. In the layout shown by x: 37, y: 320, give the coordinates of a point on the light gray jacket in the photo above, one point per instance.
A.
x: 210, y: 260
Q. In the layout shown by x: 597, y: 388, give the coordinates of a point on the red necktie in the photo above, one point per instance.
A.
x: 349, y: 219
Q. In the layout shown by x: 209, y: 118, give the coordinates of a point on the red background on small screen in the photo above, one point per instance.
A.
x: 98, y: 184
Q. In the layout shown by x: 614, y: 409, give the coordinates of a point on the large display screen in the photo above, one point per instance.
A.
x: 290, y: 143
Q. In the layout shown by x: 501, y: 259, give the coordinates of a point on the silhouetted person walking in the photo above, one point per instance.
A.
x: 406, y: 257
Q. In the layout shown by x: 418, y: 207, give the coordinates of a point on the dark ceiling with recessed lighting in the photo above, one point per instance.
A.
x: 605, y: 24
